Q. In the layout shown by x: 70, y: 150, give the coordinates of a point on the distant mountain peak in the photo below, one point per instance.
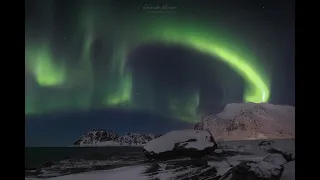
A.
x: 95, y: 136
x: 101, y: 137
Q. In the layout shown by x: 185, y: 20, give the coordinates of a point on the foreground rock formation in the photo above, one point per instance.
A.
x: 177, y: 144
x: 201, y: 148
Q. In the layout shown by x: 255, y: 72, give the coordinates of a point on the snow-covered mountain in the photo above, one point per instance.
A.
x: 102, y: 137
x: 96, y: 136
x: 240, y: 121
x: 135, y: 138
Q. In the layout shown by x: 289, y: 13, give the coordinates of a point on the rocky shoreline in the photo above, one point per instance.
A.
x: 262, y: 160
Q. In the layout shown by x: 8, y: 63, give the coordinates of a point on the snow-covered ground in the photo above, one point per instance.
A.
x: 184, y: 168
x: 125, y: 173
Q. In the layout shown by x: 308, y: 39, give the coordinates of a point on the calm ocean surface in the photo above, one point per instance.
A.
x: 37, y: 156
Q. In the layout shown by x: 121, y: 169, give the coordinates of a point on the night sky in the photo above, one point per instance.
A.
x: 150, y: 67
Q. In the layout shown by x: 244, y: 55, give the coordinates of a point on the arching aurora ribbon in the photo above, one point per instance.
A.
x: 51, y: 72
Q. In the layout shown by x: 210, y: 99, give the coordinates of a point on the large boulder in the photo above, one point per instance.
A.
x: 268, y: 147
x: 183, y: 143
x: 251, y: 170
x: 275, y: 159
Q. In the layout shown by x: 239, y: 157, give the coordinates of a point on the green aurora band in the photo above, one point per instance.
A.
x: 50, y: 71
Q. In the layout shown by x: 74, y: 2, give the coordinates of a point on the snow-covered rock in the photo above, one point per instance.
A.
x: 261, y: 170
x: 102, y: 137
x: 275, y: 159
x: 273, y: 148
x: 183, y: 143
x: 250, y: 121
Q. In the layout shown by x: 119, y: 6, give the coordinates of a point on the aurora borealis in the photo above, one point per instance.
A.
x: 93, y: 55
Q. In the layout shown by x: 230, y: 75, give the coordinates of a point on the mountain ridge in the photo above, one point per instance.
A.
x: 249, y: 121
x: 102, y: 137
